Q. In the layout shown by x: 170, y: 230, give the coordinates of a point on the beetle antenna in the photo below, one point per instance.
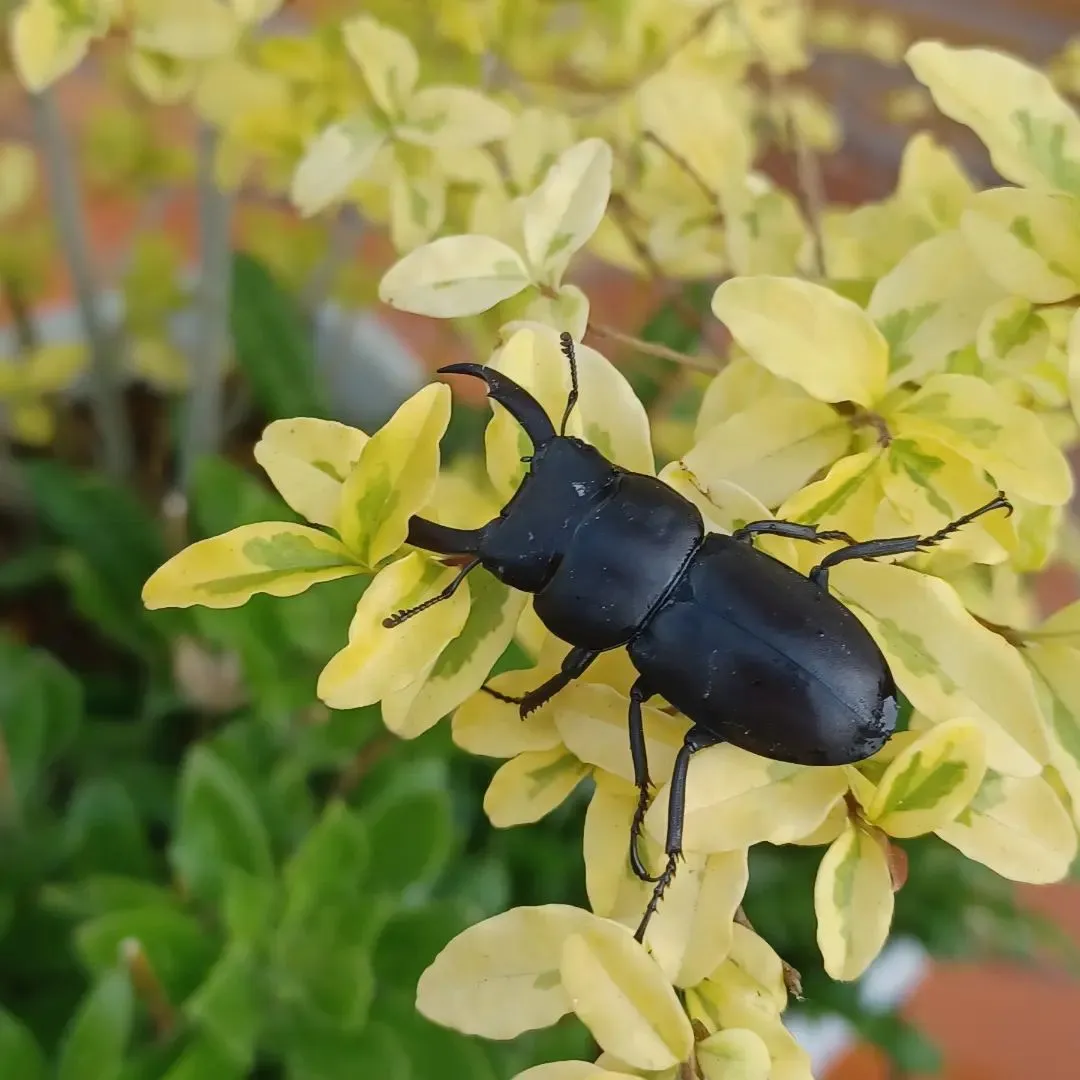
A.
x: 566, y: 343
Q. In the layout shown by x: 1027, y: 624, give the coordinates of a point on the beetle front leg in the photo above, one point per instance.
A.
x: 573, y: 666
x: 639, y: 694
x: 696, y: 739
x: 793, y: 530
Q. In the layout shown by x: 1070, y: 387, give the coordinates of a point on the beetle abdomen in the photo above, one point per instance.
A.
x: 620, y: 562
x: 787, y: 671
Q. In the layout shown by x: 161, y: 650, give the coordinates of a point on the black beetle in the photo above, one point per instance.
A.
x: 748, y: 649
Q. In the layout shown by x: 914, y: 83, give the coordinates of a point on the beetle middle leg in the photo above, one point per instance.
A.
x: 901, y: 545
x: 793, y: 530
x: 696, y: 739
x: 573, y: 666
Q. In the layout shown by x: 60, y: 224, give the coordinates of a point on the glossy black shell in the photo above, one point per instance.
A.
x: 740, y: 643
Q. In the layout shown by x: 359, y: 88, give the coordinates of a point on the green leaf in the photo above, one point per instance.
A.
x: 204, y: 1060
x: 228, y: 1006
x: 225, y: 496
x: 273, y: 343
x: 100, y: 894
x: 376, y: 1052
x: 104, y: 831
x: 411, y: 836
x: 219, y: 826
x: 176, y: 945
x: 93, y: 1045
x: 248, y: 906
x: 20, y: 1056
x: 329, y: 864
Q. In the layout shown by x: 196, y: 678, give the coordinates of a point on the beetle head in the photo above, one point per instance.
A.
x: 516, y: 400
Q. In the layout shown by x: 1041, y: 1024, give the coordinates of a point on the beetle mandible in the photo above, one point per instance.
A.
x: 749, y: 650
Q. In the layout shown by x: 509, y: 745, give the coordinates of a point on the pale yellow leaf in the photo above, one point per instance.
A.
x: 417, y: 208
x: 620, y: 994
x: 770, y: 449
x: 1032, y: 133
x: 1018, y: 827
x: 186, y: 29
x: 500, y: 977
x: 454, y: 276
x: 1027, y: 241
x: 1055, y: 658
x: 308, y: 460
x: 605, y: 844
x: 529, y: 786
x: 387, y: 61
x: 395, y: 476
x: 806, y: 333
x: 735, y: 799
x: 735, y: 1054
x: 379, y: 660
x: 492, y: 728
x: 740, y: 383
x: 945, y: 662
x: 452, y: 116
x: 18, y: 175
x: 571, y: 1070
x: 334, y: 160
x: 853, y: 901
x: 568, y: 310
x: 759, y: 961
x: 933, y: 183
x: 565, y: 209
x: 45, y: 44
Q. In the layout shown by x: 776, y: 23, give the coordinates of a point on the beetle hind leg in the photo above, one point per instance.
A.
x: 696, y: 739
x: 639, y: 694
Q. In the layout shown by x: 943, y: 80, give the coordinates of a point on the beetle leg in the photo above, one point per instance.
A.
x: 574, y: 664
x: 639, y: 694
x: 900, y: 545
x: 791, y: 529
x: 400, y: 616
x: 696, y: 739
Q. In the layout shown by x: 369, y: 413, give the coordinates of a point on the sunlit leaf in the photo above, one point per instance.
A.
x: 335, y: 159
x: 449, y: 116
x: 386, y: 58
x: 531, y: 785
x: 735, y: 1054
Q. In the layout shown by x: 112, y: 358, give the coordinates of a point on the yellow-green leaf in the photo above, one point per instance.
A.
x: 564, y: 211
x: 933, y: 183
x: 501, y: 977
x: 806, y: 333
x: 225, y: 571
x: 308, y: 461
x: 1032, y: 133
x: 380, y: 660
x: 417, y: 207
x: 931, y: 780
x: 1018, y: 827
x: 735, y: 799
x: 1027, y: 241
x: 52, y: 367
x: 395, y: 476
x: 333, y: 161
x: 735, y: 1054
x: 853, y: 901
x: 45, y: 44
x: 568, y: 310
x: 740, y: 383
x: 770, y: 449
x: 18, y: 176
x: 1056, y: 662
x: 454, y: 276
x: 452, y: 116
x: 620, y: 994
x: 531, y: 785
x: 464, y: 664
x: 945, y: 662
x: 1012, y: 335
x: 387, y: 61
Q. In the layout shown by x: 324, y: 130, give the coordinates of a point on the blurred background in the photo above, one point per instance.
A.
x: 109, y: 221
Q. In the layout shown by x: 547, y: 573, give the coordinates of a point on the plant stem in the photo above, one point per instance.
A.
x: 652, y: 348
x: 345, y: 233
x: 105, y: 375
x: 203, y: 430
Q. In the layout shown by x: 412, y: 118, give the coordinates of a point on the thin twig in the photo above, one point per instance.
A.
x: 203, y: 430
x: 105, y: 374
x: 652, y: 348
x: 681, y: 161
x: 345, y: 233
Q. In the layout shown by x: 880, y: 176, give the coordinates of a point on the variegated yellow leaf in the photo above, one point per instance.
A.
x: 500, y: 977
x: 609, y: 882
x: 735, y: 799
x: 1009, y: 441
x: 395, y: 476
x: 740, y: 384
x: 933, y: 183
x: 387, y: 61
x: 451, y: 116
x: 454, y: 276
x: 193, y: 30
x: 945, y: 662
x: 489, y: 727
x: 621, y: 995
x: 735, y: 1054
x: 1074, y: 364
x: 567, y: 310
x: 571, y: 1070
x: 529, y: 786
x: 765, y: 231
x: 853, y: 900
x: 806, y: 333
x: 1018, y: 827
x: 564, y: 211
x: 770, y: 449
x: 333, y: 161
x: 759, y: 962
x: 225, y: 571
x: 45, y: 43
x: 417, y: 208
x: 592, y: 721
x: 930, y: 304
x: 691, y: 934
x: 1032, y: 133
x: 1027, y: 241
x: 379, y: 660
x: 1055, y: 659
x: 308, y: 460
x: 931, y: 781
x: 494, y: 609
x: 1012, y: 335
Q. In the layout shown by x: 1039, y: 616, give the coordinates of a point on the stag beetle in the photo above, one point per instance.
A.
x: 752, y: 652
